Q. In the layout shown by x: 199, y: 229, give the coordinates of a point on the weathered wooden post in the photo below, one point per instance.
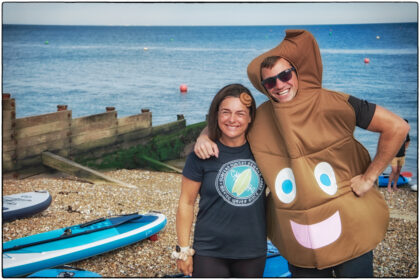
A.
x: 9, y: 132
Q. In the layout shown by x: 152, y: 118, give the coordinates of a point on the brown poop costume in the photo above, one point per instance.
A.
x: 307, y: 153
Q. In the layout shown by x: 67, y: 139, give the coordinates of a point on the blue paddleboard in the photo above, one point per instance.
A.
x: 275, y: 265
x: 64, y: 272
x: 383, y: 180
x: 57, y: 247
x: 21, y: 205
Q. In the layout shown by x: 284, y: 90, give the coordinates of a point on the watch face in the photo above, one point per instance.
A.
x: 177, y: 248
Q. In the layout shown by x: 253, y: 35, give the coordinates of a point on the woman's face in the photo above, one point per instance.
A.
x: 233, y: 120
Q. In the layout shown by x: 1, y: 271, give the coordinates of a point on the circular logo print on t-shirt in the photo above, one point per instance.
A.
x: 239, y: 182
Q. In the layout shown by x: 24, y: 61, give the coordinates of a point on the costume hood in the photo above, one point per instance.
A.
x: 307, y: 153
x: 300, y: 48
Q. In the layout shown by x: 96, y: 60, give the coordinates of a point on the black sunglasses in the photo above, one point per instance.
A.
x: 283, y: 76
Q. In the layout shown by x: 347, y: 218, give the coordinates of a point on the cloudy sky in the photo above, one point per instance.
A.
x: 206, y: 13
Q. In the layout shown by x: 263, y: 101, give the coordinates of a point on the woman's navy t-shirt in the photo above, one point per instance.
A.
x: 231, y: 217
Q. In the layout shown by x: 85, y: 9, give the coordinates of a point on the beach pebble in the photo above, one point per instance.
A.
x: 395, y: 256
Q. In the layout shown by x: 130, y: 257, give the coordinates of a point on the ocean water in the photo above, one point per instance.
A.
x: 130, y: 68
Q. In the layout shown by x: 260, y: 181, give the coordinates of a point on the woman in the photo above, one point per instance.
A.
x: 230, y: 230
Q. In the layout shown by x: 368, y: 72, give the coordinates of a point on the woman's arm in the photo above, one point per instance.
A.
x: 184, y: 219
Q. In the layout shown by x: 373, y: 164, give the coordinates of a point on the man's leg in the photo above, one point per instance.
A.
x: 356, y: 268
x: 392, y: 176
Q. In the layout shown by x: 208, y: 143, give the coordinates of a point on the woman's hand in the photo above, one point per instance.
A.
x: 186, y: 267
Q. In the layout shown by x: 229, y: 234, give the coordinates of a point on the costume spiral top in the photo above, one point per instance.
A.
x: 245, y: 99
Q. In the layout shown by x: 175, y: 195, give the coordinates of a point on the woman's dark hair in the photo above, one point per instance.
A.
x: 232, y: 90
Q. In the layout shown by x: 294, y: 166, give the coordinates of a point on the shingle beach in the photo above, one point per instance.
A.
x: 75, y: 201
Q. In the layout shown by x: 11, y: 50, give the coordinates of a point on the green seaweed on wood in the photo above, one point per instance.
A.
x: 160, y: 148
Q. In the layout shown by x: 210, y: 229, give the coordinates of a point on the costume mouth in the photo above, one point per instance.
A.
x: 320, y: 234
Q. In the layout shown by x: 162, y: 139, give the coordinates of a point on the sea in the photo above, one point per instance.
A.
x: 89, y: 68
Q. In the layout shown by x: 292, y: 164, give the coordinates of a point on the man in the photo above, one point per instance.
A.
x: 323, y: 212
x: 396, y: 165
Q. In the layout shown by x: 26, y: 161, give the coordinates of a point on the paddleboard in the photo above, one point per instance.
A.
x: 22, y: 205
x: 57, y: 247
x: 64, y: 272
x: 383, y: 180
x: 275, y: 265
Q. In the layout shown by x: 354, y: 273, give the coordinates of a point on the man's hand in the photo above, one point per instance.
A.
x: 204, y: 148
x: 360, y: 185
x: 185, y: 267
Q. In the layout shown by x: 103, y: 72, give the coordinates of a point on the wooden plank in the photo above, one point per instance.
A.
x: 41, y: 129
x: 93, y: 153
x: 7, y: 165
x: 9, y: 155
x: 78, y: 170
x: 135, y: 135
x: 60, y: 136
x: 30, y: 171
x: 123, y: 129
x: 8, y: 117
x: 33, y: 121
x: 94, y: 122
x: 28, y: 162
x: 168, y: 128
x: 94, y: 136
x: 8, y: 145
x: 159, y: 164
x: 135, y: 122
x: 8, y: 104
x: 24, y: 152
x: 103, y: 142
x: 8, y: 133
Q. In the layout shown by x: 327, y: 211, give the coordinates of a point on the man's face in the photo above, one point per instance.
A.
x: 281, y: 91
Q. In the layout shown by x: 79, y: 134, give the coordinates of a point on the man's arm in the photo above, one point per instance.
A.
x: 393, y: 131
x: 205, y: 148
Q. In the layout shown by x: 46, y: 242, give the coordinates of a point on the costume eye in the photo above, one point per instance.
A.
x: 324, y: 175
x: 286, y: 185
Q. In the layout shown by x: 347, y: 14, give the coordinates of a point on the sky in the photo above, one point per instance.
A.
x: 206, y: 13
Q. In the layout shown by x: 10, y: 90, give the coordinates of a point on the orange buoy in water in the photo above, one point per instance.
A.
x: 183, y: 88
x: 367, y: 60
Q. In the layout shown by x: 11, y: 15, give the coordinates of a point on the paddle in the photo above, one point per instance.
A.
x: 116, y: 221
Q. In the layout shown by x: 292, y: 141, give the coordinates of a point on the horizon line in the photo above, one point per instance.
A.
x: 203, y: 25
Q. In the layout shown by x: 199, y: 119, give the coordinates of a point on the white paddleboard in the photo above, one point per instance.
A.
x: 22, y: 205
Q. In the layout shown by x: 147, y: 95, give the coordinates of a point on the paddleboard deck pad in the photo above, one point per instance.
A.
x: 21, y: 205
x: 57, y: 247
x: 64, y: 272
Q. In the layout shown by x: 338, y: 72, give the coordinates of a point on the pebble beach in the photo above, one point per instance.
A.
x: 76, y: 201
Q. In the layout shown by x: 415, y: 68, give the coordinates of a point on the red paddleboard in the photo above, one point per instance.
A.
x: 407, y: 174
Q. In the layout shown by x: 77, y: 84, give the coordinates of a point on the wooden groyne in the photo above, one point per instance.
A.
x: 100, y: 141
